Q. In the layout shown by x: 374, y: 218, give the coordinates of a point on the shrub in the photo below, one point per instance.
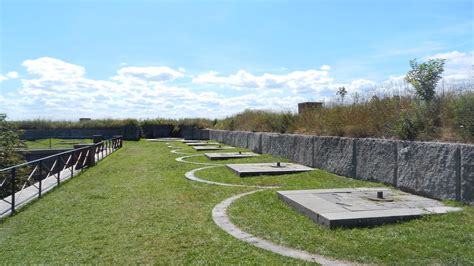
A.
x: 9, y: 140
x: 408, y: 127
x: 464, y: 115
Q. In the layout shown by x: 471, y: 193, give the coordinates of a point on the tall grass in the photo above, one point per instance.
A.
x: 111, y: 123
x: 99, y: 123
x: 450, y: 117
x: 263, y: 121
x: 198, y: 122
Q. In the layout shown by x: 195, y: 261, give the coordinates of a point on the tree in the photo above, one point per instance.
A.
x: 425, y: 76
x: 9, y: 140
x: 341, y: 91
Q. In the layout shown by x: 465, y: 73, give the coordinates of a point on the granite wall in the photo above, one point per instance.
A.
x: 157, y: 131
x: 436, y: 170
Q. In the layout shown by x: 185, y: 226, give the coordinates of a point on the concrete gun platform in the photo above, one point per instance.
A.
x: 229, y: 155
x: 190, y: 140
x: 360, y: 207
x: 211, y: 148
x: 202, y: 144
x: 164, y: 139
x: 255, y: 169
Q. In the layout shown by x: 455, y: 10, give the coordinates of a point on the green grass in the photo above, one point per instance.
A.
x: 137, y: 207
x: 444, y: 239
x: 314, y: 179
x: 133, y: 207
x: 55, y: 143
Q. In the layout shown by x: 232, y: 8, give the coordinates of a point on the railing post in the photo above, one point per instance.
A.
x: 58, y: 160
x: 102, y: 149
x: 72, y: 163
x: 40, y: 178
x: 91, y: 159
x: 79, y: 163
x: 13, y: 188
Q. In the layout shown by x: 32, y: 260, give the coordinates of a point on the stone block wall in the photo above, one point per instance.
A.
x: 157, y: 131
x: 304, y: 150
x: 187, y: 132
x: 335, y: 155
x: 376, y: 160
x: 254, y: 142
x: 435, y: 170
x: 467, y: 174
x: 429, y: 169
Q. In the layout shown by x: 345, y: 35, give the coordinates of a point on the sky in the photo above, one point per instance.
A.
x: 63, y: 60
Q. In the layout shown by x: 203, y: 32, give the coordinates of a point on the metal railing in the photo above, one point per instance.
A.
x: 20, y: 184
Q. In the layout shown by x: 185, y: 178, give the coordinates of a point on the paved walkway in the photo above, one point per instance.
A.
x: 30, y: 193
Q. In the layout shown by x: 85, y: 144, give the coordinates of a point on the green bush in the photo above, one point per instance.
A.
x: 464, y: 115
x: 408, y: 127
x: 9, y: 140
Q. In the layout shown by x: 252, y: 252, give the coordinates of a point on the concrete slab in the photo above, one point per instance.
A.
x: 360, y: 207
x: 202, y: 144
x: 253, y: 169
x: 190, y: 140
x: 229, y: 155
x: 163, y: 139
x: 211, y: 148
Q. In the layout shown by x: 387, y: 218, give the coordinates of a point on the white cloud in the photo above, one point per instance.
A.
x: 242, y: 79
x: 455, y: 57
x: 12, y: 75
x: 296, y: 81
x: 360, y: 85
x: 9, y: 75
x: 325, y: 67
x: 52, y: 68
x: 159, y: 74
x: 459, y: 66
x: 395, y: 79
x: 59, y: 90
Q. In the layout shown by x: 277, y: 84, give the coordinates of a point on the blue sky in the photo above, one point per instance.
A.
x: 147, y: 59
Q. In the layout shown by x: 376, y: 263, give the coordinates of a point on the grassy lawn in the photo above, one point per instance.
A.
x: 137, y: 207
x: 55, y: 143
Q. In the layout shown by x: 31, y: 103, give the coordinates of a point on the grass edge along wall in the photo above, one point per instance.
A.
x: 442, y: 171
